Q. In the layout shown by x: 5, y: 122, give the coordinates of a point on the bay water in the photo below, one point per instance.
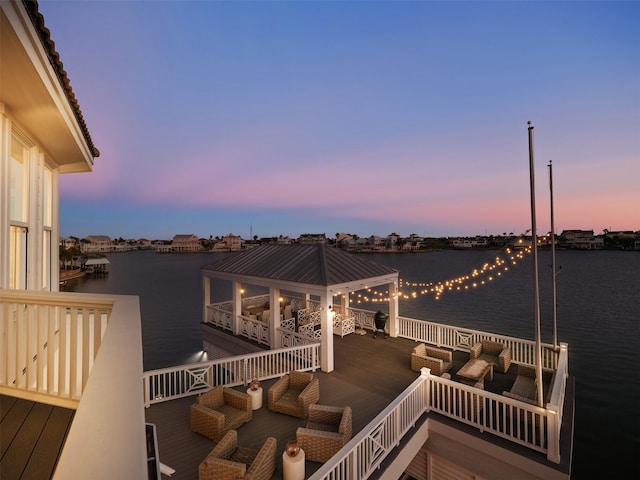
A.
x: 598, y: 316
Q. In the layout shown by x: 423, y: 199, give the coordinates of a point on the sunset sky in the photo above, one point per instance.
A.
x: 288, y: 117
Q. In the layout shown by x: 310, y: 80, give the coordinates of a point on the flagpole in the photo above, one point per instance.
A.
x: 534, y: 243
x: 553, y: 260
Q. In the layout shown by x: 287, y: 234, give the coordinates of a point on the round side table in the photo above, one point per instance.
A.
x: 293, y: 467
x: 256, y: 398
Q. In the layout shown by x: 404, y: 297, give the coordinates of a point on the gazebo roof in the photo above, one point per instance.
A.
x: 315, y: 264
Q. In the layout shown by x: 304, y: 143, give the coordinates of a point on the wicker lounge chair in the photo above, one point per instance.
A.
x: 494, y: 352
x: 293, y: 394
x: 219, y: 410
x: 327, y: 431
x: 228, y: 461
x: 525, y: 388
x: 437, y: 359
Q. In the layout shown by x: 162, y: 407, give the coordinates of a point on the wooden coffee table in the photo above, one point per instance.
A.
x: 475, y: 370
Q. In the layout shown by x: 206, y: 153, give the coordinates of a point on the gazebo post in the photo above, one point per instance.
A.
x: 236, y: 309
x: 326, y: 340
x: 305, y: 300
x: 393, y: 310
x: 206, y: 295
x: 274, y: 318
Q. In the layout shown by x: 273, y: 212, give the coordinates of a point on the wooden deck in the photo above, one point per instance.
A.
x: 369, y: 374
x: 31, y: 438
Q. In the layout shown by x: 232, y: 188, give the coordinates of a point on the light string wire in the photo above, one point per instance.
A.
x: 490, y: 271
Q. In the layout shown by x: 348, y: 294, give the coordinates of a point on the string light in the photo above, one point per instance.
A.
x: 478, y: 277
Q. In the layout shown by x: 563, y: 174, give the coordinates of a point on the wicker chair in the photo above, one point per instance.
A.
x: 228, y: 461
x: 327, y: 431
x: 437, y: 359
x: 293, y: 393
x: 219, y: 410
x: 494, y: 352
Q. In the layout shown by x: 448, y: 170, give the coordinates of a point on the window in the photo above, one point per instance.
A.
x: 18, y: 203
x: 47, y: 226
x: 47, y: 198
x: 18, y: 258
x: 18, y: 177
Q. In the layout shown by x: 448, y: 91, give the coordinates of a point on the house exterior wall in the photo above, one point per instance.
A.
x: 34, y: 150
x: 29, y: 210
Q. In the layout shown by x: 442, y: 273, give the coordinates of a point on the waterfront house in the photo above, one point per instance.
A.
x: 71, y: 364
x: 98, y: 244
x: 185, y: 243
x: 580, y: 239
x: 229, y: 243
x: 308, y: 238
x: 467, y: 242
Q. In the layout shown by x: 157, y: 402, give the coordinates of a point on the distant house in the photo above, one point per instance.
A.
x: 311, y: 238
x: 229, y: 243
x: 376, y: 242
x: 186, y: 243
x: 68, y: 243
x: 469, y: 242
x: 284, y: 240
x: 346, y: 241
x: 97, y: 244
x: 581, y: 239
x: 144, y: 242
x: 392, y: 240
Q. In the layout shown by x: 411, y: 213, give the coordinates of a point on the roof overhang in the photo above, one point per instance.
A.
x: 312, y: 289
x: 32, y: 95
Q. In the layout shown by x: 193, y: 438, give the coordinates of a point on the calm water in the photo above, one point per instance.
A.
x: 598, y: 316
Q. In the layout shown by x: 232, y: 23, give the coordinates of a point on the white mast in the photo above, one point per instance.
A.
x: 534, y: 243
x: 553, y: 259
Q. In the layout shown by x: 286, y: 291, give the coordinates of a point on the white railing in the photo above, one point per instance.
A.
x: 291, y: 338
x: 80, y: 351
x: 49, y: 344
x: 366, y: 451
x: 219, y: 315
x: 364, y: 319
x: 533, y: 427
x: 462, y: 339
x: 186, y: 380
x: 254, y: 329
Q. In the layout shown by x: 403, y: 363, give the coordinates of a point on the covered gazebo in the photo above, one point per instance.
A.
x: 310, y: 270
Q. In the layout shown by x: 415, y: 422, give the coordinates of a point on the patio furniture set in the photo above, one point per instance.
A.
x: 220, y: 411
x: 484, y: 356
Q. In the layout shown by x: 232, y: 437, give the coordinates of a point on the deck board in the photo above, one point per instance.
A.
x: 32, y: 437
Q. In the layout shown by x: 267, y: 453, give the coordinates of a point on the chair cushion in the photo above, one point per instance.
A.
x: 290, y: 397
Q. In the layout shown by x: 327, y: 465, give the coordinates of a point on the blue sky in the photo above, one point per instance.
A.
x: 283, y: 118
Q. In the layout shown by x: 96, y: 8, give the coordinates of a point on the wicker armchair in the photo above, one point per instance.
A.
x: 327, y: 431
x: 493, y: 352
x: 220, y: 410
x: 437, y: 359
x: 293, y: 394
x: 228, y: 461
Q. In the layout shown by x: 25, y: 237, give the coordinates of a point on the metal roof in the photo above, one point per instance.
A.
x: 97, y: 261
x: 315, y: 264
